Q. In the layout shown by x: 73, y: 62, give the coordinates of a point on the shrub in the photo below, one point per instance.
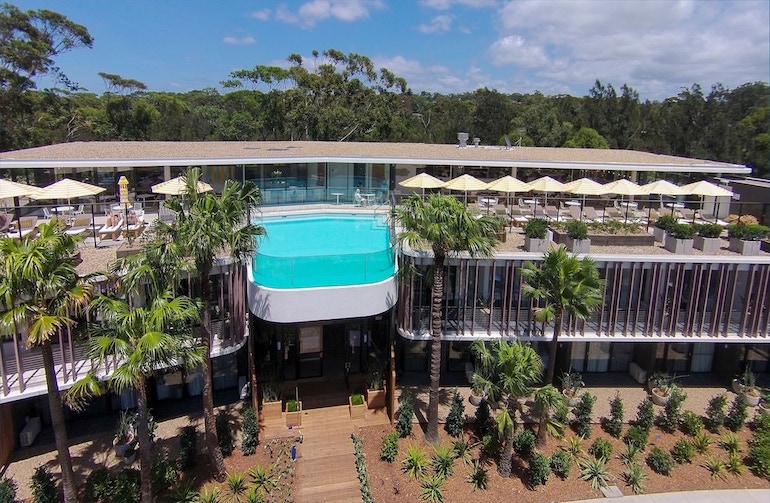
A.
x: 709, y: 230
x: 561, y: 463
x: 356, y: 399
x: 758, y: 459
x: 404, y: 415
x: 634, y: 476
x: 363, y: 474
x: 715, y: 466
x: 601, y: 449
x: 683, y: 451
x: 490, y: 446
x: 536, y: 228
x: 292, y: 405
x: 43, y: 486
x: 250, y: 435
x: 637, y: 437
x: 126, y: 486
x: 415, y: 464
x: 524, y: 443
x: 442, y: 461
x: 482, y: 422
x: 734, y: 465
x: 748, y: 232
x: 682, y: 231
x: 539, y: 470
x: 630, y: 455
x: 665, y: 222
x: 701, y: 442
x: 478, y: 476
x: 98, y: 485
x: 614, y: 424
x: 645, y: 414
x: 583, y: 412
x: 660, y: 461
x: 715, y: 413
x: 462, y: 451
x: 738, y: 413
x: 188, y: 447
x: 163, y: 474
x: 596, y: 472
x: 576, y: 229
x: 692, y: 424
x: 730, y: 443
x: 7, y: 490
x: 671, y: 416
x: 224, y: 434
x: 389, y: 449
x: 455, y: 420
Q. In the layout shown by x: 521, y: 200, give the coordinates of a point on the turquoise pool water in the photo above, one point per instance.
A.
x: 323, y: 250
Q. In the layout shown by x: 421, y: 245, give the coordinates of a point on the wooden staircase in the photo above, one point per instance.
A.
x: 326, y: 465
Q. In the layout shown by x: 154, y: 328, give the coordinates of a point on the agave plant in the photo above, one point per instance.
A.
x: 430, y: 489
x: 478, y: 476
x: 415, y: 464
x: 596, y: 472
x: 634, y: 476
x: 443, y: 460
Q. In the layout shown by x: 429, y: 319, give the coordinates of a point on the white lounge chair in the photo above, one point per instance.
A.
x: 111, y: 231
x: 26, y: 226
x: 80, y: 224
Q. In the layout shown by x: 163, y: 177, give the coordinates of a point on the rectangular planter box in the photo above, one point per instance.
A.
x: 642, y: 239
x: 578, y: 245
x: 272, y: 410
x: 710, y: 246
x: 745, y: 247
x: 357, y: 411
x: 294, y: 419
x: 375, y: 398
x: 659, y: 234
x: 679, y: 246
x: 536, y: 245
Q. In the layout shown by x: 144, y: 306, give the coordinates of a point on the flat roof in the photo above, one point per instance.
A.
x: 217, y: 153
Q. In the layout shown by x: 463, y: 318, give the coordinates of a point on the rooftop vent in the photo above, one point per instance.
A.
x: 476, y: 141
x: 463, y: 139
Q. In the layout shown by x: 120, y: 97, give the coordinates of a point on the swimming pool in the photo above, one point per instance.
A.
x: 321, y: 250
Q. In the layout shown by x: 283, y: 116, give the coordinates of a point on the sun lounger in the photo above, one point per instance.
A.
x: 111, y: 231
x: 591, y: 214
x: 26, y: 227
x: 81, y: 224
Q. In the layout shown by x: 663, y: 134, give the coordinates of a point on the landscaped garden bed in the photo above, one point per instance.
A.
x: 389, y: 482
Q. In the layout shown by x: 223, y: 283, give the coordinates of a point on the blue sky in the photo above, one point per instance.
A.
x: 445, y: 46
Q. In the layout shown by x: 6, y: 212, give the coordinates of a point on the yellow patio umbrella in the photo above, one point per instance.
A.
x: 466, y: 183
x: 584, y: 187
x: 625, y: 187
x: 177, y: 186
x: 546, y: 184
x: 663, y: 188
x: 9, y: 189
x: 509, y: 185
x: 705, y: 188
x: 422, y: 181
x: 69, y: 189
x: 123, y: 190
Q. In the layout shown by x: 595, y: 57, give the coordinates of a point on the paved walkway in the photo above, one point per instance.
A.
x: 725, y: 496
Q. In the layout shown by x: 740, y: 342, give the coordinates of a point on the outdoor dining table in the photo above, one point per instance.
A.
x: 572, y: 203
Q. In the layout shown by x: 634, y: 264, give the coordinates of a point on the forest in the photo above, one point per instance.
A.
x: 343, y: 97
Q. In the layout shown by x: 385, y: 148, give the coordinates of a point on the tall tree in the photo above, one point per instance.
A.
x: 41, y: 294
x: 445, y: 226
x: 563, y: 284
x: 207, y: 226
x: 506, y: 372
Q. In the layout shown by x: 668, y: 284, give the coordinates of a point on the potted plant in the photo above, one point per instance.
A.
x: 745, y: 238
x: 357, y: 406
x: 124, y: 434
x: 707, y: 239
x: 571, y: 383
x: 293, y: 413
x: 129, y: 456
x: 272, y: 407
x: 662, y: 224
x: 680, y: 238
x: 536, y: 235
x: 476, y: 395
x: 748, y: 387
x: 764, y: 402
x: 375, y: 390
x: 661, y: 387
x: 577, y: 236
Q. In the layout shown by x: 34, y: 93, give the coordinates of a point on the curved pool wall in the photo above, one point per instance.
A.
x: 323, y: 250
x: 375, y: 293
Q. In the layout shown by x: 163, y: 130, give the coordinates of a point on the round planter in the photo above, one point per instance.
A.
x: 572, y: 398
x: 129, y: 457
x: 475, y: 400
x: 752, y: 399
x: 120, y: 449
x: 658, y: 398
x: 764, y: 407
x: 737, y: 387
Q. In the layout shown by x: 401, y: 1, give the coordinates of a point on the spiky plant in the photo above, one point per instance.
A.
x: 443, y: 460
x: 634, y: 477
x: 734, y: 464
x: 630, y: 456
x: 596, y: 472
x: 730, y: 443
x: 715, y: 466
x: 462, y: 451
x: 236, y: 485
x: 430, y: 489
x: 478, y: 476
x: 701, y: 442
x: 415, y: 464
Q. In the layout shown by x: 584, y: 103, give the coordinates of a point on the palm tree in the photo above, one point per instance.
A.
x: 141, y: 337
x: 562, y: 284
x: 548, y: 400
x: 446, y: 226
x: 41, y: 293
x: 208, y: 226
x: 506, y: 371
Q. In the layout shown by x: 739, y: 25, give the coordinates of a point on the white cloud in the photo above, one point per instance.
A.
x: 439, y: 24
x: 247, y: 40
x: 447, y: 4
x: 315, y: 11
x: 654, y: 46
x: 262, y: 14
